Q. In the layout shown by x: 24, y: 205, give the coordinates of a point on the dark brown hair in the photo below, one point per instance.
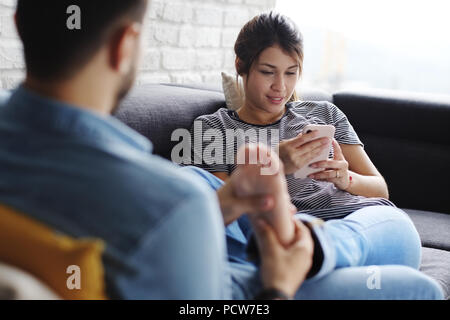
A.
x: 264, y: 31
x: 52, y: 51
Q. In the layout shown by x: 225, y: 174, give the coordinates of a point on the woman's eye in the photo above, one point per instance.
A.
x: 266, y: 72
x: 291, y: 73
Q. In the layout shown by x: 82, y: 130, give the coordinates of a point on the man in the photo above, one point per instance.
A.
x: 67, y: 163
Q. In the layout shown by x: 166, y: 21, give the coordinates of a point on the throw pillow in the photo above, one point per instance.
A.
x: 15, y: 284
x: 72, y: 268
x: 234, y: 92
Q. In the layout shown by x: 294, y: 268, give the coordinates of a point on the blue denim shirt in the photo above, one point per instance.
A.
x: 88, y: 175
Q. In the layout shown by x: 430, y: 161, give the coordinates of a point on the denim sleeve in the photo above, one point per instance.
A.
x: 184, y: 257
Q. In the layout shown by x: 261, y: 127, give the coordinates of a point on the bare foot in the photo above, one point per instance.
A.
x: 265, y: 175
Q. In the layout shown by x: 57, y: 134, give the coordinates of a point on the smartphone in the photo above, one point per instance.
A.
x: 324, y: 131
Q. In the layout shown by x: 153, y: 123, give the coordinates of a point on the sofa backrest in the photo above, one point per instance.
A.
x: 407, y: 136
x: 156, y: 111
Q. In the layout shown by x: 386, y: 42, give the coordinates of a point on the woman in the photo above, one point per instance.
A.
x: 371, y: 232
x: 269, y: 57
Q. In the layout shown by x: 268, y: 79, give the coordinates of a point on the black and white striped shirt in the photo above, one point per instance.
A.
x: 319, y: 198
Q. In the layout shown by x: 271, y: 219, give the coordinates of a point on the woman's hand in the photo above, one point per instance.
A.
x: 297, y: 152
x: 284, y: 267
x: 336, y: 170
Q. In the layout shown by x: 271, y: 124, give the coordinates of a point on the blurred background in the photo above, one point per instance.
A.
x: 387, y: 44
x: 349, y: 44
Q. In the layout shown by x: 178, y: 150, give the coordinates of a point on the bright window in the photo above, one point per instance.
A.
x: 387, y: 44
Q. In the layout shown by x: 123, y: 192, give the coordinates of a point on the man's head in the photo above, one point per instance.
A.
x: 54, y: 52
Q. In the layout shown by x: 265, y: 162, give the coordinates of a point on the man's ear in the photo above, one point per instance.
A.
x: 15, y: 23
x: 236, y: 64
x: 123, y: 48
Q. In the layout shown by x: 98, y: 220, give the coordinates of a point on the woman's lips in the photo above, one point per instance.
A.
x: 275, y: 100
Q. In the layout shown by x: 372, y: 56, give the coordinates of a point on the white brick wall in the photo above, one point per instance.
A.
x: 11, y: 61
x: 188, y: 41
x: 195, y: 38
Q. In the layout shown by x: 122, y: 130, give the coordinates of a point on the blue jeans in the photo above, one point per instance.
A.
x: 373, y: 253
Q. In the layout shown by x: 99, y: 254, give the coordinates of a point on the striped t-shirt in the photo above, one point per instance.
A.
x: 218, y: 136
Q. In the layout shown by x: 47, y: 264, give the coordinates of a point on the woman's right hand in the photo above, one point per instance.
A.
x: 297, y: 152
x: 284, y: 267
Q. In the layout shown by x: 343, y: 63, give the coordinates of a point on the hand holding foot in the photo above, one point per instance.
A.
x: 284, y: 267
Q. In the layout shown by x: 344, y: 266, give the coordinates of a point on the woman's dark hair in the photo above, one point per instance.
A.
x: 52, y: 51
x: 264, y: 31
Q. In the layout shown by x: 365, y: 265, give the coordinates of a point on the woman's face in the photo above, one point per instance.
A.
x: 271, y: 80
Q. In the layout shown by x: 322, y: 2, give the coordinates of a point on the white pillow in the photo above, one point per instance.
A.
x: 234, y: 92
x: 17, y: 284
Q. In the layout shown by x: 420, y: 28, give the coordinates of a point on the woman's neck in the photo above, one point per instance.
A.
x: 259, y: 117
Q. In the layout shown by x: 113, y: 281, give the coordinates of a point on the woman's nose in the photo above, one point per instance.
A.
x: 278, y: 84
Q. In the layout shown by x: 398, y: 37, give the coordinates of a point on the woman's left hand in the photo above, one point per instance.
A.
x: 336, y: 170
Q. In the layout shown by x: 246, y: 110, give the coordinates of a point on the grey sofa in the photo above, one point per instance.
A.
x: 408, y: 139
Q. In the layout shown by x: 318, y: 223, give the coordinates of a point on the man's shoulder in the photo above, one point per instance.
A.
x: 150, y: 176
x: 166, y: 184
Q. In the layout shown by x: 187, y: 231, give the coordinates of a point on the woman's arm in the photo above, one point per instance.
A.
x: 353, y: 171
x: 366, y: 179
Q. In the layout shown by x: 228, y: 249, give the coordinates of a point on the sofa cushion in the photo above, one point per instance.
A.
x: 156, y: 111
x: 233, y: 91
x: 433, y: 228
x: 435, y: 263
